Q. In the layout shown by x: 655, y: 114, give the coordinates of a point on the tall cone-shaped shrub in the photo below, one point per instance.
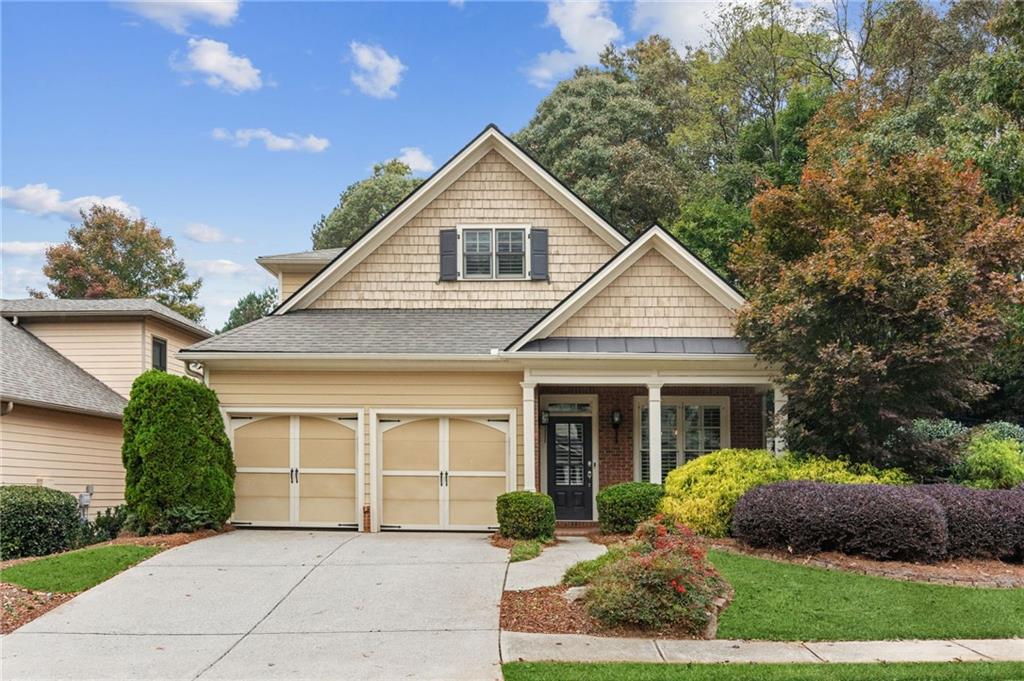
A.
x: 177, y: 457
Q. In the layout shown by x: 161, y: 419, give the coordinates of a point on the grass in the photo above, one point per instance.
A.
x: 77, y: 570
x: 918, y: 671
x: 784, y: 602
x: 525, y: 549
x: 581, y: 573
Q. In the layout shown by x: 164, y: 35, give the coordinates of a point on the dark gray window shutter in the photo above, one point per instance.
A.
x: 449, y: 255
x: 539, y: 254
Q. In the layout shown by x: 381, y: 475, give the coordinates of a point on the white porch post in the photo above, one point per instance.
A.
x: 654, y: 430
x: 779, y: 420
x: 529, y: 437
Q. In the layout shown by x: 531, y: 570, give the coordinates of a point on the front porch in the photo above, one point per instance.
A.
x: 582, y: 436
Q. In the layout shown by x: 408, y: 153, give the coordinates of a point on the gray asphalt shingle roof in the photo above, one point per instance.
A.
x: 322, y: 255
x: 34, y: 373
x: 98, y: 307
x: 373, y: 331
x: 641, y: 345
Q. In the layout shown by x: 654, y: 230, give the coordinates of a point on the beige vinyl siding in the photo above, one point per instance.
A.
x: 652, y: 298
x: 366, y: 390
x: 176, y: 340
x: 403, y: 271
x: 64, y: 451
x: 109, y: 350
x: 292, y: 281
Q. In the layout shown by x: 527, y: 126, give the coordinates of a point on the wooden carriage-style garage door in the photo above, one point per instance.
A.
x: 296, y: 471
x: 442, y: 472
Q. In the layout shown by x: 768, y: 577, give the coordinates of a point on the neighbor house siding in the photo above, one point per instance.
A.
x: 64, y: 451
x: 367, y: 390
x: 176, y: 340
x: 403, y: 271
x: 652, y: 298
x: 291, y: 281
x: 112, y: 351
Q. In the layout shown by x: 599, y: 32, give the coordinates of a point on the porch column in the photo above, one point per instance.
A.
x: 654, y: 430
x: 779, y: 420
x: 529, y: 437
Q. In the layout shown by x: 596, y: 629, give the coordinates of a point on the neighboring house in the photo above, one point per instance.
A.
x: 66, y: 370
x: 490, y: 333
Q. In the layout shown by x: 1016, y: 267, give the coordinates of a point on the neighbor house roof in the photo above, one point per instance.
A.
x: 59, y: 308
x: 639, y: 345
x: 375, y: 332
x: 36, y: 374
x: 302, y: 260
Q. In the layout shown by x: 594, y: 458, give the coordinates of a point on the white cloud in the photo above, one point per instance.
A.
x: 223, y: 70
x: 220, y: 267
x: 14, y: 281
x: 684, y: 23
x: 24, y: 248
x: 41, y: 199
x: 416, y: 159
x: 586, y: 27
x: 457, y: 3
x: 205, y: 234
x: 271, y: 141
x: 177, y: 15
x: 379, y: 73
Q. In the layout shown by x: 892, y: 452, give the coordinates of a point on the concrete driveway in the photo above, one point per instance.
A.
x: 264, y: 604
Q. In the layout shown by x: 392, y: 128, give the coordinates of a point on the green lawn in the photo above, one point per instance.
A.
x: 965, y: 671
x: 784, y: 602
x: 525, y: 549
x: 77, y: 570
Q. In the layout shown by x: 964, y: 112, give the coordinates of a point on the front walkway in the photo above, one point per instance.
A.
x: 263, y: 604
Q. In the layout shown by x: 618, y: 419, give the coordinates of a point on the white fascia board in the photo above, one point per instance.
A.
x: 649, y: 356
x: 270, y: 356
x: 490, y: 139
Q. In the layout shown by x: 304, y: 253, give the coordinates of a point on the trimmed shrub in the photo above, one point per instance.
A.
x: 622, y: 507
x: 878, y: 521
x: 701, y: 494
x: 664, y: 585
x: 526, y: 515
x: 989, y: 463
x: 981, y: 522
x: 36, y: 521
x: 176, y: 455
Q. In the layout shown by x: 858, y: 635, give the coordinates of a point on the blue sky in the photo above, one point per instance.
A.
x: 233, y: 126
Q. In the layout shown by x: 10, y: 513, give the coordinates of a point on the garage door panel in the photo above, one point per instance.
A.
x: 410, y: 500
x: 471, y: 500
x: 264, y: 443
x: 327, y: 498
x: 263, y: 497
x: 326, y: 443
x: 412, y: 446
x: 475, y: 446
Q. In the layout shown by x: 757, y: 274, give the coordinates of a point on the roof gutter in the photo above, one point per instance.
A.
x: 57, y: 407
x: 130, y: 314
x: 200, y: 356
x: 520, y: 354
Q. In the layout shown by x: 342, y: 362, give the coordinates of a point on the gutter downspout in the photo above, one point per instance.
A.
x: 6, y: 408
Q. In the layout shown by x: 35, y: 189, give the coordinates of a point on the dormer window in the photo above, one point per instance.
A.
x: 497, y: 252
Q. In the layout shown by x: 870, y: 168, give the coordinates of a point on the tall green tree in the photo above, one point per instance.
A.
x: 250, y: 307
x: 363, y: 203
x: 113, y: 255
x: 604, y: 132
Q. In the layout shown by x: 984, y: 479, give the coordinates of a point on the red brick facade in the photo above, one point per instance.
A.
x: 614, y: 447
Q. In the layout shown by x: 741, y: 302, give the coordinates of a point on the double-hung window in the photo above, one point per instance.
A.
x: 690, y: 427
x: 159, y: 352
x: 494, y: 252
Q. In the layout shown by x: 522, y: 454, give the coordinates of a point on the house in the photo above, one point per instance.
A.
x: 66, y: 370
x: 490, y: 333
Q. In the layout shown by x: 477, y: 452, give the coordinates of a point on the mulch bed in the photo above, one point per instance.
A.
x: 547, y: 611
x: 19, y: 606
x: 959, y: 572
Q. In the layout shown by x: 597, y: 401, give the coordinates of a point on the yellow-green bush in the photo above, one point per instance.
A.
x: 702, y: 493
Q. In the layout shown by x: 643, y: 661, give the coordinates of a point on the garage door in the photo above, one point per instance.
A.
x: 295, y: 471
x: 442, y: 472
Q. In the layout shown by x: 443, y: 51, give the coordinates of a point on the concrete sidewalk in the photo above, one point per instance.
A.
x: 547, y: 568
x: 517, y: 646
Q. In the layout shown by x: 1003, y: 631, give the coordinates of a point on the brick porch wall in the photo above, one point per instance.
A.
x: 614, y: 451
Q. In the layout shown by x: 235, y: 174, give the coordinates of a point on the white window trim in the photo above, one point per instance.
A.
x: 679, y: 402
x: 493, y: 228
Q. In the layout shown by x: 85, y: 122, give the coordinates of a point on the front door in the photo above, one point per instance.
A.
x: 570, y: 475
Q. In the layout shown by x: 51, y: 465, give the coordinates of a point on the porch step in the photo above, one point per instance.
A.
x: 574, y: 528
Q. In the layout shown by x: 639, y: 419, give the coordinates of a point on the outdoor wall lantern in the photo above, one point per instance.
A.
x: 616, y: 422
x: 545, y: 416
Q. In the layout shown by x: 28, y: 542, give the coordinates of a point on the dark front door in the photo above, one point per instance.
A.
x: 570, y: 479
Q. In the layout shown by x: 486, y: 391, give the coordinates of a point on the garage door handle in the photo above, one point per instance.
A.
x: 440, y: 478
x: 446, y: 478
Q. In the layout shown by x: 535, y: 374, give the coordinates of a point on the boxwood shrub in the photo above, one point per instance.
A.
x: 878, y: 521
x: 526, y: 515
x: 980, y: 522
x: 177, y: 457
x: 36, y: 521
x: 622, y: 507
